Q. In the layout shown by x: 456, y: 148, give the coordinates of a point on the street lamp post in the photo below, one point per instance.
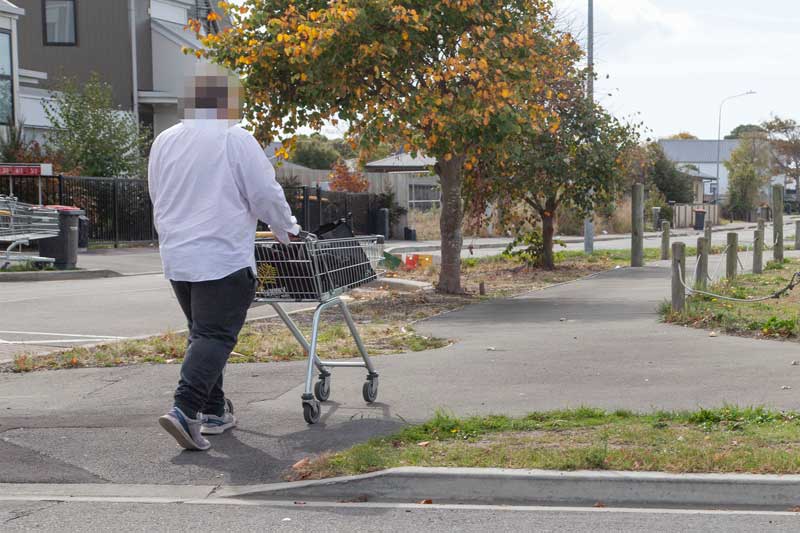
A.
x: 719, y: 137
x: 588, y: 222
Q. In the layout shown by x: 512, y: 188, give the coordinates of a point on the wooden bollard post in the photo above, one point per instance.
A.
x: 664, y: 239
x: 702, y: 263
x: 732, y: 256
x: 678, y: 273
x: 777, y: 222
x: 758, y: 251
x: 637, y: 226
x: 707, y: 234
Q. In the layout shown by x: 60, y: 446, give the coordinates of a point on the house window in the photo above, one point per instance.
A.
x: 59, y: 22
x: 6, y: 82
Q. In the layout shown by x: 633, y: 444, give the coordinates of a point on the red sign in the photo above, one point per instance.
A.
x: 20, y: 170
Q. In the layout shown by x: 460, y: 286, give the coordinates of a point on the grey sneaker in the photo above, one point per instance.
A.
x: 215, y: 425
x: 185, y: 430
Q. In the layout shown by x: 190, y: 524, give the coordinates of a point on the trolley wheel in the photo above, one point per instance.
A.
x: 322, y: 388
x: 370, y: 390
x: 311, y: 411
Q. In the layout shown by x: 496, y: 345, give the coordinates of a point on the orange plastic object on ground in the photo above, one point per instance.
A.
x: 424, y: 260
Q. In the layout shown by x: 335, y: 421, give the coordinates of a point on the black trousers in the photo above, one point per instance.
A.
x: 216, y: 311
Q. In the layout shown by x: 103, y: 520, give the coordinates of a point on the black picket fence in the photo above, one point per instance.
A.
x: 119, y: 209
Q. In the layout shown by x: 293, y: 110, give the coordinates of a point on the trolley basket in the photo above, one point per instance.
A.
x: 319, y: 270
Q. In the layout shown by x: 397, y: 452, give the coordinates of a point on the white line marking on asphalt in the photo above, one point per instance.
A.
x: 61, y: 334
x: 48, y: 342
x: 377, y: 505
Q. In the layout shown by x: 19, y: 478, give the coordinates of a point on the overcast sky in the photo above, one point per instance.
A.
x: 671, y: 62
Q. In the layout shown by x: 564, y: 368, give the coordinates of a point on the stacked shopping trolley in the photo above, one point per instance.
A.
x: 21, y: 223
x: 319, y: 269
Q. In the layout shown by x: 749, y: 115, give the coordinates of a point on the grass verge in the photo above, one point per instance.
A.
x: 27, y: 267
x: 730, y: 439
x: 504, y: 276
x: 774, y: 318
x: 385, y: 322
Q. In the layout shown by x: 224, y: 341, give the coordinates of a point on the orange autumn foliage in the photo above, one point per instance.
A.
x: 345, y: 180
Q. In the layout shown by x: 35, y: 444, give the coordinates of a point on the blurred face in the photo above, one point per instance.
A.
x: 212, y: 93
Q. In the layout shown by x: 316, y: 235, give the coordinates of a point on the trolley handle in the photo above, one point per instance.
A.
x: 302, y: 236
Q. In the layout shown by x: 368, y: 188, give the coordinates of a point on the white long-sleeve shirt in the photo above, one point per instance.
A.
x: 210, y: 183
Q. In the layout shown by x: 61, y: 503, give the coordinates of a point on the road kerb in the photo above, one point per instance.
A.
x: 57, y: 275
x: 541, y: 487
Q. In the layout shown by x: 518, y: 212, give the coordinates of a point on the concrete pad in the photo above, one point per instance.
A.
x: 126, y: 261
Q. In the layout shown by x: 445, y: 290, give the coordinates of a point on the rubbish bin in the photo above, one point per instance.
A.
x: 410, y: 234
x: 83, y: 233
x: 382, y: 222
x: 699, y: 219
x: 64, y: 248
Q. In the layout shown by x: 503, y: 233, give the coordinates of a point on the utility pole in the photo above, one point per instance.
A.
x: 588, y: 223
x: 590, y: 52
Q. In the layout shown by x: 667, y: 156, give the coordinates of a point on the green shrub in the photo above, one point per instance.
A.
x: 779, y: 327
x: 533, y: 252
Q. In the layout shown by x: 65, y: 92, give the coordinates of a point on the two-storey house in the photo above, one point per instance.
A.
x: 134, y: 45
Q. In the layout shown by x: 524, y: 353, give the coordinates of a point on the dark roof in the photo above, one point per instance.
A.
x: 400, y: 162
x: 697, y: 150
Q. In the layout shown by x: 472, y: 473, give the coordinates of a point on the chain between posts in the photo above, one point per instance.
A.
x: 793, y: 282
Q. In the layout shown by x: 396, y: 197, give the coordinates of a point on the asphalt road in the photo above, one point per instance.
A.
x: 50, y: 314
x: 104, y: 516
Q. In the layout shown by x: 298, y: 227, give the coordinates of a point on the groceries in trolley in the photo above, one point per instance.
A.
x: 317, y: 267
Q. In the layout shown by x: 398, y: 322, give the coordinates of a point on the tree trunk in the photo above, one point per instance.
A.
x: 450, y: 173
x: 548, y: 229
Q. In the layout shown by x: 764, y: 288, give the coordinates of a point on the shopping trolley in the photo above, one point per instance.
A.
x: 21, y: 223
x: 319, y: 270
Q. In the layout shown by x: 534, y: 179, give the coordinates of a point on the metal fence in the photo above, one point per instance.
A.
x: 314, y: 207
x: 119, y: 209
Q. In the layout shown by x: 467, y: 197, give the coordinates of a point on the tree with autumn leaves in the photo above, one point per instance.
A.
x: 452, y: 78
x: 577, y: 165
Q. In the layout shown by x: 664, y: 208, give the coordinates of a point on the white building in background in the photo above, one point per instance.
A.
x: 702, y: 154
x: 9, y: 63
